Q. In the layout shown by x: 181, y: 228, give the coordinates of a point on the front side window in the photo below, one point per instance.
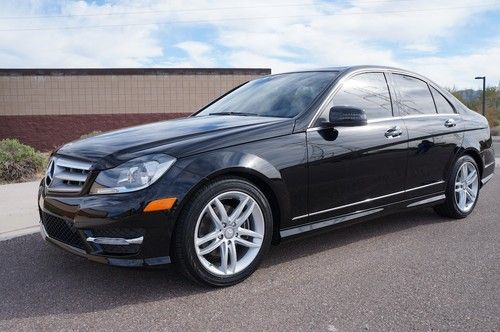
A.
x: 368, y: 92
x: 284, y: 95
x: 442, y: 104
x: 414, y: 96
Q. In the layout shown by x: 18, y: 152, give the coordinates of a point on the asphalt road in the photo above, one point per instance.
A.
x: 411, y: 271
x: 496, y: 146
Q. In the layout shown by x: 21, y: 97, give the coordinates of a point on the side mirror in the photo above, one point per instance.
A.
x: 347, y: 116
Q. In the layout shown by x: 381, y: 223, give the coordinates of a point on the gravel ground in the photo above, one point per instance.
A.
x: 410, y: 271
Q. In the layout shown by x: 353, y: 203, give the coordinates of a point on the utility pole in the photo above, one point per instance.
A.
x: 484, y: 92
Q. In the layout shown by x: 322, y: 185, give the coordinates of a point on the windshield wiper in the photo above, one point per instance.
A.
x: 234, y: 113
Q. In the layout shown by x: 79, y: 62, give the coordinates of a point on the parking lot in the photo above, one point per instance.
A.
x: 413, y: 270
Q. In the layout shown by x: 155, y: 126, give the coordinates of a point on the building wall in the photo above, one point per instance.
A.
x: 45, y: 108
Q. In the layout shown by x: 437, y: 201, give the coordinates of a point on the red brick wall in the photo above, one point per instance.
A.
x: 46, y: 132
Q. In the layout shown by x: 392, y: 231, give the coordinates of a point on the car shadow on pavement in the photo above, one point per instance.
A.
x: 37, y: 279
x: 319, y: 241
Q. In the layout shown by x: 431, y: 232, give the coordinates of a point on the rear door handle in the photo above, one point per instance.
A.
x: 450, y: 123
x: 393, y: 132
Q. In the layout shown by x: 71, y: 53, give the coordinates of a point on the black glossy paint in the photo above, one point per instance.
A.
x: 312, y: 172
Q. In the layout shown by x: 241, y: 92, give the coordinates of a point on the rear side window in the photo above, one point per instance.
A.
x: 442, y: 104
x: 414, y: 96
x: 366, y: 91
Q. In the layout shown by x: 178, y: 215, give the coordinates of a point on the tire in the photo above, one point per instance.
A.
x: 452, y: 207
x: 205, y: 234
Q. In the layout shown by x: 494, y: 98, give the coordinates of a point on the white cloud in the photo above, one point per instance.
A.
x: 199, y: 54
x: 281, y: 35
x: 460, y: 70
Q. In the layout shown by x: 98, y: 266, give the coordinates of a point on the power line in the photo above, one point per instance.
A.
x: 190, y: 10
x: 247, y: 18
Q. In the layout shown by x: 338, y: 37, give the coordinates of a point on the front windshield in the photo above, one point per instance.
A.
x: 284, y: 95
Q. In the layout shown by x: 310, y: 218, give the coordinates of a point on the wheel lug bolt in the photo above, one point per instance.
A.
x: 233, y: 224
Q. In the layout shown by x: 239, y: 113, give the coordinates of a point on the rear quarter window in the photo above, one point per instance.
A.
x: 443, y: 106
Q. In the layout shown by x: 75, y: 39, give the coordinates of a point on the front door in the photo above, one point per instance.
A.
x: 355, y: 168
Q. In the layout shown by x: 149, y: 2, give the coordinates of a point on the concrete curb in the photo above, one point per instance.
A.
x: 19, y: 232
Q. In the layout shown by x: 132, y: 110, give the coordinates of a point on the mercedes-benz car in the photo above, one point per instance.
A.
x: 276, y: 157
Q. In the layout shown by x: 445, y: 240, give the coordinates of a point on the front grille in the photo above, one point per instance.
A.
x: 66, y: 175
x: 62, y: 230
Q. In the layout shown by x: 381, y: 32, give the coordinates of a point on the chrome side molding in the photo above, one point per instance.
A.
x: 367, y: 200
x: 489, y: 165
x: 486, y: 179
x: 427, y: 200
x: 329, y: 222
x: 115, y: 241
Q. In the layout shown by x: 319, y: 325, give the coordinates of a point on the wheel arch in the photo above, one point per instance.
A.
x: 474, y: 154
x: 262, y: 174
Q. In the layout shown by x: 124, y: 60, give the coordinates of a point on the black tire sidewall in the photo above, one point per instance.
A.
x: 187, y: 223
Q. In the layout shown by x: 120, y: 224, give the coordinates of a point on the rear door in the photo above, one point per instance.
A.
x: 353, y: 168
x: 433, y: 137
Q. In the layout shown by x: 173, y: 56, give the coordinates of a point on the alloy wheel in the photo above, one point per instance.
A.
x: 466, y: 186
x: 229, y: 233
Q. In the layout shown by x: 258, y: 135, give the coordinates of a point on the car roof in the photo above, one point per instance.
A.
x: 353, y: 68
x: 346, y: 70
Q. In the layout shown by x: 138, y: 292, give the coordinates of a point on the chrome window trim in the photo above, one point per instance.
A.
x: 366, y: 200
x: 398, y: 118
x: 402, y: 117
x: 338, y: 86
x: 387, y: 72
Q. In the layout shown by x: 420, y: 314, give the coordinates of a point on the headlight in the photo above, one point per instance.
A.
x: 132, y: 175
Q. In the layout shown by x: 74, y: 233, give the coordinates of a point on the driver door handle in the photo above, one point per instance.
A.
x: 450, y: 123
x: 393, y: 132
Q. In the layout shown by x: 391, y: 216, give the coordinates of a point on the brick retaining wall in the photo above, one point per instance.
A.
x: 46, y: 132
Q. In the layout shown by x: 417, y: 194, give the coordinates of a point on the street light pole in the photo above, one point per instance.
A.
x: 484, y: 92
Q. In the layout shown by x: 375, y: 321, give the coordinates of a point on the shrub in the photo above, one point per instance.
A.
x: 19, y: 162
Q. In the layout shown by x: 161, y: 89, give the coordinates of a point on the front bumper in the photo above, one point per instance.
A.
x: 110, y: 229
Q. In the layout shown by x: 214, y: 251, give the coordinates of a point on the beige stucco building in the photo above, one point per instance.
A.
x: 47, y: 107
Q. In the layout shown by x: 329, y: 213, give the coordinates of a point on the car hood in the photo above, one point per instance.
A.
x: 178, y: 138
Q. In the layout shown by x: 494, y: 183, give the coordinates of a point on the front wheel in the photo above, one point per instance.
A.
x: 224, y: 232
x: 462, y: 189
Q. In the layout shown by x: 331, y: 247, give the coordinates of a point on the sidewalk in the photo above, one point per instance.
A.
x: 18, y: 209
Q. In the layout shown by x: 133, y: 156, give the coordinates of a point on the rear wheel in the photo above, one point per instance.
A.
x: 223, y: 233
x: 462, y: 189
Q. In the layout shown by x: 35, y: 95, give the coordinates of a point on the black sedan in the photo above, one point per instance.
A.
x: 277, y: 157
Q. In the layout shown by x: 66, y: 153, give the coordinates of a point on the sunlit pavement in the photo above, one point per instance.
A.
x: 413, y: 270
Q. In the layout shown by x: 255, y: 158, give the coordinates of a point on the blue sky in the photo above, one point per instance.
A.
x: 449, y: 41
